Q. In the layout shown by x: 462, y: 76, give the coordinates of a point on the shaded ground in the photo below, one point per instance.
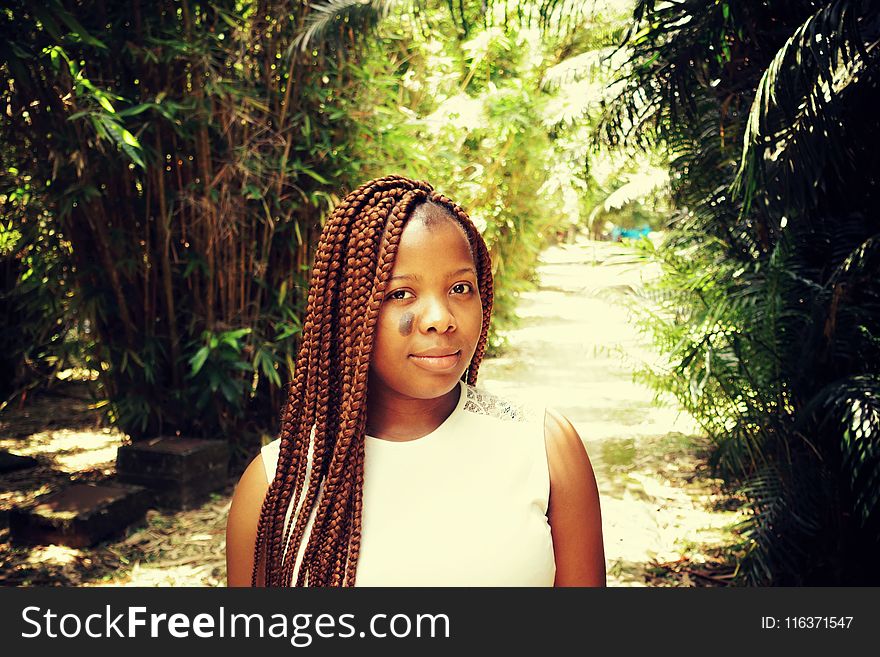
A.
x: 663, y: 518
x: 64, y: 433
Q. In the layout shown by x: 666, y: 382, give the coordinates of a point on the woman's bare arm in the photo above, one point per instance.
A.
x: 241, y: 526
x: 574, y: 514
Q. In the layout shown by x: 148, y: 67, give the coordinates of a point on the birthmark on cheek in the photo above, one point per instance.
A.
x: 406, y: 323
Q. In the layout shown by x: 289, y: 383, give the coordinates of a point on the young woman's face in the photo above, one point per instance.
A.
x: 430, y: 319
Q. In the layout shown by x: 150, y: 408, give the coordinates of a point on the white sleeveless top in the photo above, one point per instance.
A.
x: 465, y: 505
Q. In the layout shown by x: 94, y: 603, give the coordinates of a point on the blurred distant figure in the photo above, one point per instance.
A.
x: 618, y: 233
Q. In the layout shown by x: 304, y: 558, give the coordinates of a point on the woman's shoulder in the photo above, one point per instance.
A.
x: 242, y: 522
x: 574, y: 511
x: 253, y: 484
x: 566, y: 454
x: 564, y: 444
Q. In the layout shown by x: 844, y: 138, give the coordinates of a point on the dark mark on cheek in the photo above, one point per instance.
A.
x: 406, y: 323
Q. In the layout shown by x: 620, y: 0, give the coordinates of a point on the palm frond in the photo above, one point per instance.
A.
x: 795, y: 114
x: 360, y: 16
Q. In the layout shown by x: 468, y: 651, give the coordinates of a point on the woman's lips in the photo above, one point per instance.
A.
x: 437, y: 363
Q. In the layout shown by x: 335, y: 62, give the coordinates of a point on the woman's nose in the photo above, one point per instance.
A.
x: 437, y: 315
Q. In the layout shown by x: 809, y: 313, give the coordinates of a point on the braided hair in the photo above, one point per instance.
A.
x: 323, y: 419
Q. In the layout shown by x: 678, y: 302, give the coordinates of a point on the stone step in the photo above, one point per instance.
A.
x: 79, y: 516
x: 180, y: 473
x: 11, y: 462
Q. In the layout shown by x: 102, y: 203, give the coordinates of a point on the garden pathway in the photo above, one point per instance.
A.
x: 575, y: 350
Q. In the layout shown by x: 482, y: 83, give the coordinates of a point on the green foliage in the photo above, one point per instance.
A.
x: 35, y: 298
x: 217, y: 366
x: 471, y: 115
x: 187, y: 159
x: 769, y: 299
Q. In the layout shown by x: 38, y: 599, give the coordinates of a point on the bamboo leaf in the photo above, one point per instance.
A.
x: 198, y: 361
x: 313, y: 174
x: 105, y: 102
x: 75, y: 26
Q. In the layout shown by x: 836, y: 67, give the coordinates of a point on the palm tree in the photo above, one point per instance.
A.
x: 772, y: 293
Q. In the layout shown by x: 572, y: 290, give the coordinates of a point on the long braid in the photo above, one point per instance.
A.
x: 290, y: 485
x: 328, y: 527
x: 337, y: 235
x: 319, y: 369
x: 324, y: 416
x: 318, y: 337
x: 325, y: 374
x: 328, y: 515
x: 332, y: 515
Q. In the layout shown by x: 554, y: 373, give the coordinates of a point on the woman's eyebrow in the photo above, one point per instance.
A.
x: 416, y: 277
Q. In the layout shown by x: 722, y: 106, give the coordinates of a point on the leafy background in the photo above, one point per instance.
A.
x: 165, y: 168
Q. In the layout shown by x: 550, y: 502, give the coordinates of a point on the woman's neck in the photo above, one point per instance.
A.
x: 391, y: 416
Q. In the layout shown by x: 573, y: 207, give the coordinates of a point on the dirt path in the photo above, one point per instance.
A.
x: 575, y: 351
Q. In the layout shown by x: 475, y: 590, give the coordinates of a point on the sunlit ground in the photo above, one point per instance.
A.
x: 166, y: 549
x: 70, y: 450
x: 576, y: 350
x: 58, y: 554
x: 78, y: 447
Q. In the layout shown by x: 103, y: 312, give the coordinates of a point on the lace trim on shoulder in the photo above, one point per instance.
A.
x: 486, y: 403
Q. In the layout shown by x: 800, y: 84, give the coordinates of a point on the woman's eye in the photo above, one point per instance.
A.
x: 463, y: 288
x: 398, y: 294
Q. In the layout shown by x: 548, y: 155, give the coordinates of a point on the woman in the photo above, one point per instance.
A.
x: 402, y: 470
